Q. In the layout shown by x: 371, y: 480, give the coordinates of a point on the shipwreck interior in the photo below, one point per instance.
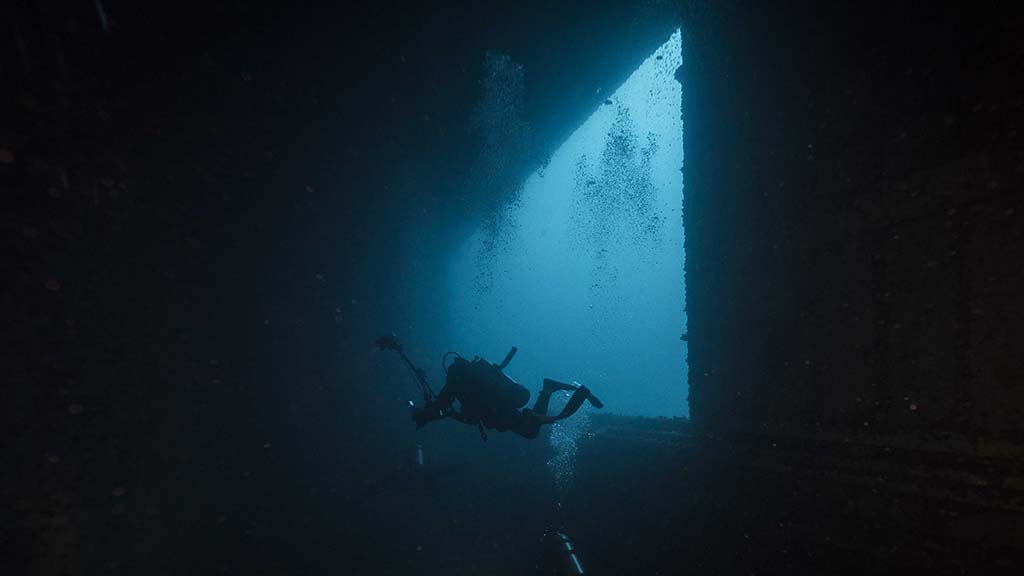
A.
x: 215, y: 208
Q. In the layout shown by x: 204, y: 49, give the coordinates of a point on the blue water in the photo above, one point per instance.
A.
x: 585, y: 272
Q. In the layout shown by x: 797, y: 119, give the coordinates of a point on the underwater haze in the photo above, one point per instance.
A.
x: 584, y: 269
x: 246, y: 235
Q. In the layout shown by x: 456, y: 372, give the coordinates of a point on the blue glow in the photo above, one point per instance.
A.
x: 588, y: 277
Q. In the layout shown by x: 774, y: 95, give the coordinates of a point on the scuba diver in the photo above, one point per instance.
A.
x: 487, y: 397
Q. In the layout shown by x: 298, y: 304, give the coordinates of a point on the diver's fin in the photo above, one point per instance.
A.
x: 553, y: 385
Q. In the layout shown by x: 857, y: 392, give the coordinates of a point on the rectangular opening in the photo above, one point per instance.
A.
x: 585, y: 271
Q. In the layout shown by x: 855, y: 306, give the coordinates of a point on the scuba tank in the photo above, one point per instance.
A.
x: 488, y: 389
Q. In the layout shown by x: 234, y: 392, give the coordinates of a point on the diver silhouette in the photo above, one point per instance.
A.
x: 487, y: 397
